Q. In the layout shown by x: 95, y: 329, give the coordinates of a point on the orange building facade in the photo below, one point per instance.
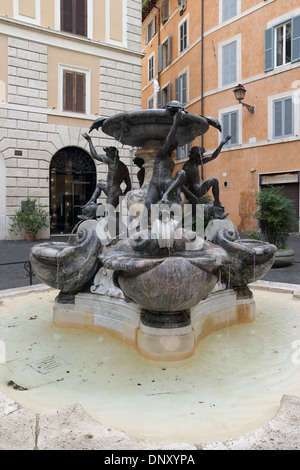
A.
x: 197, y: 52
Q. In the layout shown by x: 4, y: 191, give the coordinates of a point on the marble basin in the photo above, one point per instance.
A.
x: 67, y: 266
x: 172, y: 280
x: 250, y: 259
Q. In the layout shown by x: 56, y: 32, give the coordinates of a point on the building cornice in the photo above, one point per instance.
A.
x: 51, y: 37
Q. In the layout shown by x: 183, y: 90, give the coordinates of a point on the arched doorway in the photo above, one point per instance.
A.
x: 72, y: 183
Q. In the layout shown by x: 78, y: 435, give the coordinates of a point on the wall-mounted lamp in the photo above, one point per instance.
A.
x: 239, y: 93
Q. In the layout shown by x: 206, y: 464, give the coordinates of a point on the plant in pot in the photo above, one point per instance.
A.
x: 277, y: 218
x: 31, y: 218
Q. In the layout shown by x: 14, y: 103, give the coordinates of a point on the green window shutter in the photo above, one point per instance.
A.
x: 269, y: 49
x: 296, y: 38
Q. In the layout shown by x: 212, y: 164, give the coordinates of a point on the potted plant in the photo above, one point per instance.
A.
x: 31, y: 218
x: 276, y: 218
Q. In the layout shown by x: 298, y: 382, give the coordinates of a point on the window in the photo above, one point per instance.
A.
x: 282, y: 44
x: 183, y: 151
x: 151, y: 103
x: 150, y: 30
x: 74, y: 16
x: 230, y: 122
x: 181, y: 88
x: 164, y: 11
x: 74, y: 91
x: 229, y: 9
x: 164, y: 54
x: 151, y: 68
x: 183, y: 38
x: 283, y: 117
x: 164, y: 96
x: 229, y: 63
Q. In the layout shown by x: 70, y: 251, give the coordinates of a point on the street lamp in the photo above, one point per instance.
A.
x: 239, y: 93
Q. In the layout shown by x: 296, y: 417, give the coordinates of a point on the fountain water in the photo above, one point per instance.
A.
x: 167, y: 286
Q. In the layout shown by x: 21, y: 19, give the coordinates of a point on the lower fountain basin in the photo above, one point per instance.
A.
x: 172, y: 280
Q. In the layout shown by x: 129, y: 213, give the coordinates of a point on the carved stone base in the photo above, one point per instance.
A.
x: 125, y: 321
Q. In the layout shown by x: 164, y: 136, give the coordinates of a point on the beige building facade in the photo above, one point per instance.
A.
x: 64, y: 63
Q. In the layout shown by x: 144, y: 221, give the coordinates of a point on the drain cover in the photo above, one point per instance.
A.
x: 47, y: 365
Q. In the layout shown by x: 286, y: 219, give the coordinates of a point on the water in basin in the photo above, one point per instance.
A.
x: 233, y: 384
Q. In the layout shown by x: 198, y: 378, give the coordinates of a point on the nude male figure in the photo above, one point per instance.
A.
x: 163, y: 168
x: 192, y: 182
x: 117, y: 172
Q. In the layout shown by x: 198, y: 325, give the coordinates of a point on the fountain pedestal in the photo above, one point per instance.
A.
x: 112, y: 315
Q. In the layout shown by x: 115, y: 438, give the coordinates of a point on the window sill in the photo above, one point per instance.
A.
x: 69, y: 114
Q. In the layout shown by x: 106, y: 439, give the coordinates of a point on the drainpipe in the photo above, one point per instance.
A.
x: 202, y: 77
x: 158, y: 40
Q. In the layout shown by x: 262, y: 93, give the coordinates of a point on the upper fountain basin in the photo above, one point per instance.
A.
x: 135, y: 128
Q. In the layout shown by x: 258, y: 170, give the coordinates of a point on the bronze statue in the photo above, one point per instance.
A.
x: 163, y: 188
x: 192, y: 182
x: 117, y: 172
x: 139, y: 162
x: 89, y: 210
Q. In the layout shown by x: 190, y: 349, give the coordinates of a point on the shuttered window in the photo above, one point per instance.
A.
x: 181, y: 88
x: 230, y: 123
x: 165, y: 10
x: 164, y: 96
x: 229, y: 63
x: 229, y: 9
x: 283, y: 118
x: 150, y: 30
x: 183, y: 39
x: 74, y: 92
x: 282, y: 44
x: 164, y: 55
x: 74, y: 16
x: 151, y: 68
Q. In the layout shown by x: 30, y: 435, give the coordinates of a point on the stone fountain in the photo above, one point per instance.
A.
x: 153, y: 282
